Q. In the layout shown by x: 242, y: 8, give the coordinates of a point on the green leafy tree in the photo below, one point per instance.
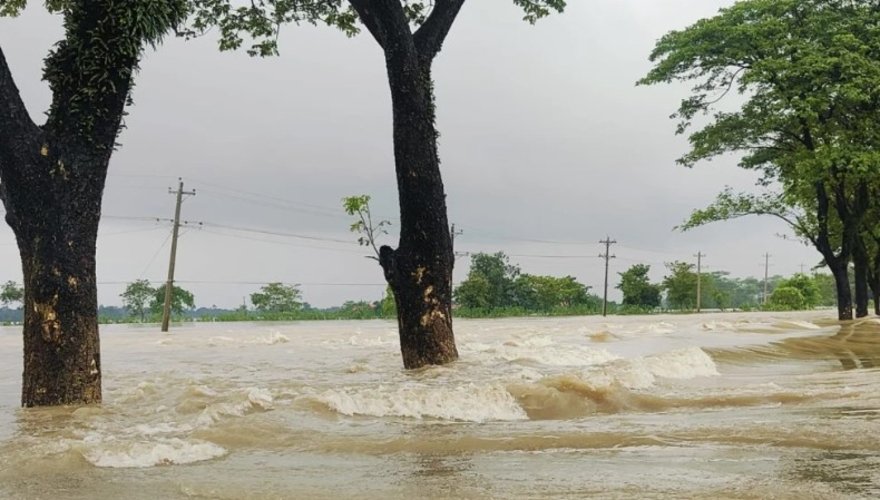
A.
x: 53, y: 178
x: 787, y: 298
x: 807, y: 119
x: 637, y: 288
x: 410, y: 34
x: 277, y: 298
x: 491, y: 282
x: 680, y: 285
x: 181, y: 300
x: 11, y: 293
x: 137, y: 297
x: 807, y: 287
x: 545, y: 293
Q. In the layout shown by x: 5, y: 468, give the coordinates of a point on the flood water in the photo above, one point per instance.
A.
x: 750, y: 405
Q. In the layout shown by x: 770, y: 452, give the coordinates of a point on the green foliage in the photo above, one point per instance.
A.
x: 261, y: 22
x: 805, y: 285
x: 389, y: 306
x: 680, y: 285
x: 90, y: 71
x: 536, y: 9
x: 137, y: 296
x: 181, y: 300
x: 827, y: 289
x: 787, y: 298
x: 359, y: 206
x: 490, y: 282
x: 10, y: 293
x: 545, y: 293
x: 495, y: 284
x: 637, y: 289
x: 277, y: 298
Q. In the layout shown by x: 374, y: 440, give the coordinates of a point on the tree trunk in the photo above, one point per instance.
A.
x: 874, y: 280
x: 860, y: 261
x: 54, y: 210
x: 420, y: 269
x: 844, y: 294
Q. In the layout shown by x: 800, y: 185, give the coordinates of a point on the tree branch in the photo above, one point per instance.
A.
x: 15, y: 122
x: 370, y: 17
x: 430, y: 36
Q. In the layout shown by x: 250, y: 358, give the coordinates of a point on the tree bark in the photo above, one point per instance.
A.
x: 51, y: 182
x: 874, y: 279
x: 838, y: 262
x: 419, y: 270
x: 860, y: 261
x: 844, y: 293
x: 54, y: 210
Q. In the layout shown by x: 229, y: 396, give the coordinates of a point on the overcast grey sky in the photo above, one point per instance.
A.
x: 546, y: 145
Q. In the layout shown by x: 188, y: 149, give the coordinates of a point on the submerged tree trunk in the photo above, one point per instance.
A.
x: 419, y: 270
x: 874, y: 280
x: 860, y: 261
x: 844, y: 293
x: 54, y: 209
x: 51, y: 182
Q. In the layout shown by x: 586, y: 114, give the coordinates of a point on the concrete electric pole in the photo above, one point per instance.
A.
x: 607, y: 256
x: 169, y: 285
x: 699, y: 257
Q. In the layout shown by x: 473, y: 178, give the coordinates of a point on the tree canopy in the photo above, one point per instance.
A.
x: 637, y: 288
x: 137, y: 297
x: 278, y: 298
x: 806, y: 118
x: 181, y: 299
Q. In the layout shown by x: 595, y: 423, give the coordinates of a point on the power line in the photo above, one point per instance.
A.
x: 276, y: 233
x: 285, y: 243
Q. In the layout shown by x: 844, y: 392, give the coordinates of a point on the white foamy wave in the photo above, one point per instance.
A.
x: 255, y: 400
x: 640, y: 373
x: 469, y: 403
x: 661, y: 328
x: 149, y: 454
x: 532, y: 341
x: 269, y: 339
x: 274, y: 338
x: 718, y: 325
x: 542, y: 352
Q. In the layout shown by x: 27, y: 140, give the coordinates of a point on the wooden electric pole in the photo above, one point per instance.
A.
x: 766, y: 275
x: 699, y: 257
x: 607, y: 256
x: 169, y: 285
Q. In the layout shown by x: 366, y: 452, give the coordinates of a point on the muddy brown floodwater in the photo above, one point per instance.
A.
x: 751, y: 405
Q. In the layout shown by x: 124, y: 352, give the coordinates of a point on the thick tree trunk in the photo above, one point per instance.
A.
x: 844, y: 294
x: 860, y: 261
x: 54, y: 209
x: 420, y: 269
x: 874, y: 280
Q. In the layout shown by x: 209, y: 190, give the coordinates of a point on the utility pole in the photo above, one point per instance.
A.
x: 766, y: 274
x: 452, y: 234
x: 607, y: 256
x: 169, y: 285
x: 699, y: 257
